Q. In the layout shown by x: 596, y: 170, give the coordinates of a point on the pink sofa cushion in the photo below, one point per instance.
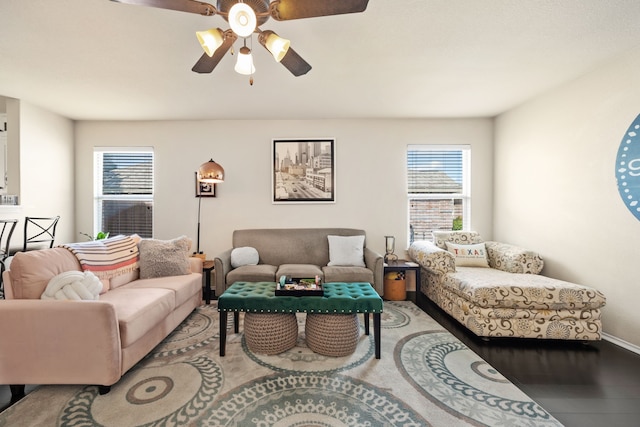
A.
x: 139, y: 310
x: 184, y: 287
x: 123, y: 279
x: 31, y: 271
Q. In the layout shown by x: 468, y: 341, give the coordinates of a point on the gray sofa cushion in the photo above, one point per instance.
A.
x: 253, y: 273
x: 347, y: 274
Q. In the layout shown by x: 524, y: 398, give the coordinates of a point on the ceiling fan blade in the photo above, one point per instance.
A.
x: 283, y: 10
x: 190, y: 6
x: 207, y: 63
x: 294, y: 63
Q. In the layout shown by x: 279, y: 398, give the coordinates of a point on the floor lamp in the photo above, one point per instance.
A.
x: 211, y: 173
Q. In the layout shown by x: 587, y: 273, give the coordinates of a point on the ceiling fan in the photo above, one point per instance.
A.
x: 244, y: 18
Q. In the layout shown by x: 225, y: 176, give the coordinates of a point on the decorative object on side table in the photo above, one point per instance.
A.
x: 390, y: 248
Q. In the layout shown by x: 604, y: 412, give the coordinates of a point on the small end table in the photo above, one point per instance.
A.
x: 207, y: 268
x: 403, y: 265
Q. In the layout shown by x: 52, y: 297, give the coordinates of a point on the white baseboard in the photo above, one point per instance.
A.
x: 621, y: 343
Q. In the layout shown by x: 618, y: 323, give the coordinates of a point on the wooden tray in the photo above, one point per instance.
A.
x: 300, y: 288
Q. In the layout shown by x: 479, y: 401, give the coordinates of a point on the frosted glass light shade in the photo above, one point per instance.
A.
x: 210, y: 40
x: 242, y: 19
x: 244, y: 64
x: 277, y: 46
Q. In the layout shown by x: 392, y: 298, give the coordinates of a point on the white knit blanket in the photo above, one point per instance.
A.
x: 73, y: 285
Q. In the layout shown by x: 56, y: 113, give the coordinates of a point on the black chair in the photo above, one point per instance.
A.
x: 39, y: 233
x: 6, y: 230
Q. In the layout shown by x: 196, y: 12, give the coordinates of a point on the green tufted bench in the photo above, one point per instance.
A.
x: 339, y: 298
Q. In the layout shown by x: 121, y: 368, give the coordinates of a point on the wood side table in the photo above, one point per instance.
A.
x: 403, y: 265
x: 207, y: 268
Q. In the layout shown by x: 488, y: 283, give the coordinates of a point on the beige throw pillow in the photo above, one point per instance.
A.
x: 469, y: 255
x: 160, y: 258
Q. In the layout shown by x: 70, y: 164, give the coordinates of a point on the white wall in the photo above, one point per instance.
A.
x: 41, y: 167
x: 370, y: 161
x: 555, y: 189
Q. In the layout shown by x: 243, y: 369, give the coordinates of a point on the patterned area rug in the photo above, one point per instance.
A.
x: 426, y: 377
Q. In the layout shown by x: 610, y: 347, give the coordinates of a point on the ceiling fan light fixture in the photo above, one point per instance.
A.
x: 277, y: 45
x: 244, y: 64
x: 242, y: 19
x: 210, y: 40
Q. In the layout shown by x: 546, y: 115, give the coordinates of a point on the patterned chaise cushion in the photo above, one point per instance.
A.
x: 487, y: 287
x: 432, y: 258
x: 459, y: 237
x: 513, y: 259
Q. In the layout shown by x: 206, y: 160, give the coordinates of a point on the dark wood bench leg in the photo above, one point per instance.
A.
x: 236, y: 321
x: 376, y: 333
x: 17, y: 392
x: 366, y: 323
x: 223, y: 332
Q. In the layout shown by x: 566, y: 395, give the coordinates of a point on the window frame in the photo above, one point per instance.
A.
x: 464, y: 195
x: 99, y: 197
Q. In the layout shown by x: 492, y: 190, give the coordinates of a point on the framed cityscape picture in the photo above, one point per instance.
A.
x: 205, y: 189
x: 303, y: 170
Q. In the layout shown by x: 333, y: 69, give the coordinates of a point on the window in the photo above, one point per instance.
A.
x: 438, y: 189
x: 124, y: 191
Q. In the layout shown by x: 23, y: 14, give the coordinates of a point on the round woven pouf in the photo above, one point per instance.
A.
x: 270, y: 333
x: 332, y: 334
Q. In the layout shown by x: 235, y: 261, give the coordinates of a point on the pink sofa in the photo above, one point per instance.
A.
x: 85, y: 342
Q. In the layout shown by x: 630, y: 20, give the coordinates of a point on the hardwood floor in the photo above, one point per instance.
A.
x: 595, y: 384
x: 588, y: 385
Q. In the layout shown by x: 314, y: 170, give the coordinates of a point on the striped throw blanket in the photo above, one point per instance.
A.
x: 109, y: 257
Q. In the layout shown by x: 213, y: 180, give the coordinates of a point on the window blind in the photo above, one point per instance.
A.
x: 124, y: 191
x: 127, y: 173
x: 435, y: 171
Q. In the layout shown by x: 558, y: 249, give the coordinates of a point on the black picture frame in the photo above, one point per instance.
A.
x: 205, y: 189
x: 303, y: 170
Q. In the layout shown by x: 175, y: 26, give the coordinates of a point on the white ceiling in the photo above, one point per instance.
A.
x: 97, y: 59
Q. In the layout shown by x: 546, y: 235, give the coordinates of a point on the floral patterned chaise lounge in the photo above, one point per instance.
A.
x: 495, y: 290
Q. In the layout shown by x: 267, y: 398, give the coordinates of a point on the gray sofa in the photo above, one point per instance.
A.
x: 296, y: 252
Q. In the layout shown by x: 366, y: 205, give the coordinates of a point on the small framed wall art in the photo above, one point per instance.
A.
x: 205, y: 189
x: 303, y: 170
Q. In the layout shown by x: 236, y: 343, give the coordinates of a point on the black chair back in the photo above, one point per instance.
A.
x: 6, y: 230
x: 39, y: 233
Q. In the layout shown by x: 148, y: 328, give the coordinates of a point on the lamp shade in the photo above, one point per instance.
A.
x: 210, y: 40
x: 274, y: 44
x: 211, y: 172
x: 244, y: 65
x: 242, y: 19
